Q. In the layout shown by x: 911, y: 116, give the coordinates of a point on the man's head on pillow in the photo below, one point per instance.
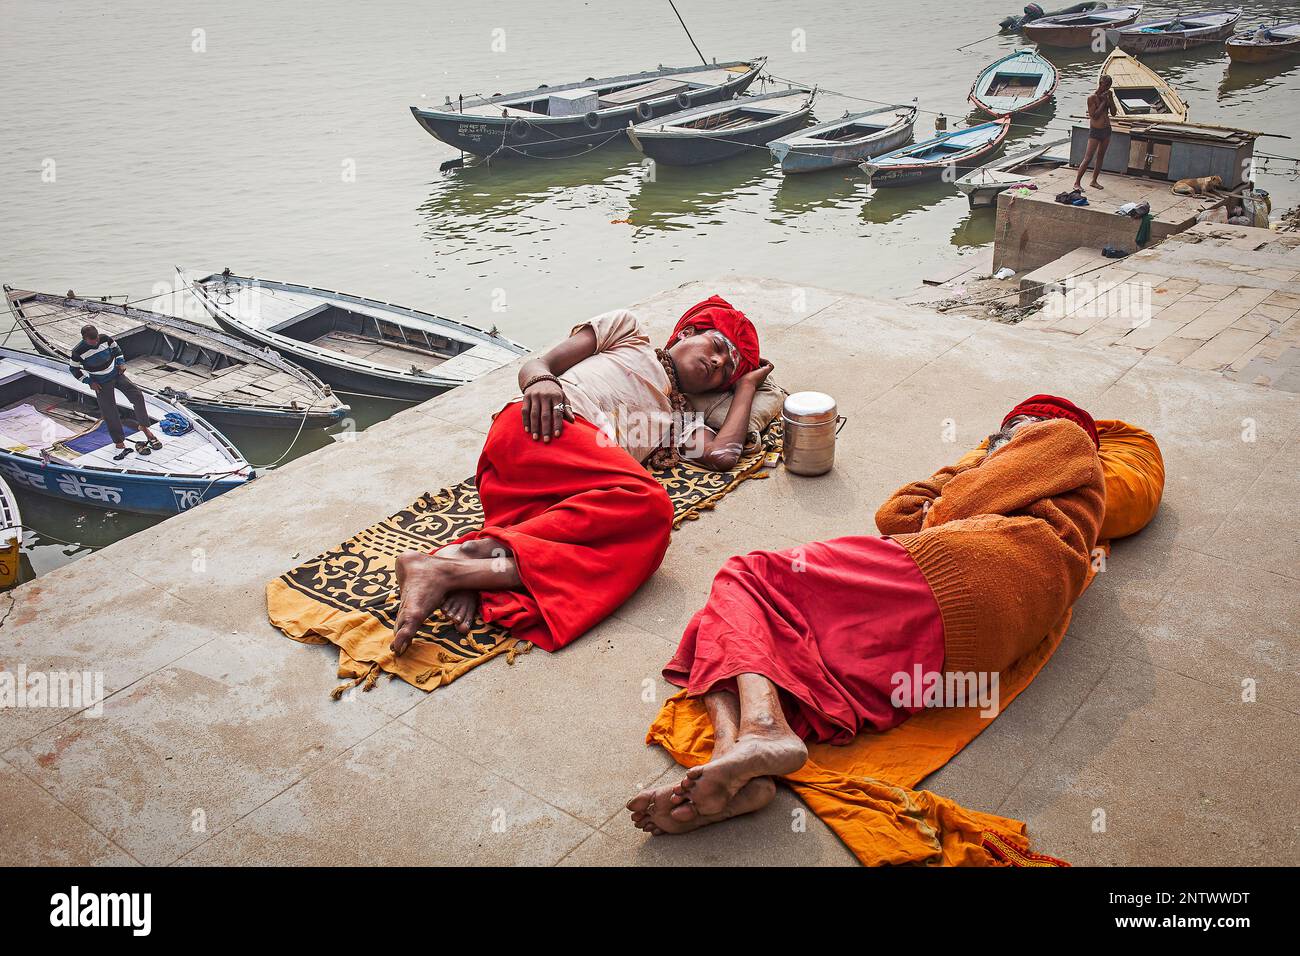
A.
x: 1039, y: 408
x: 712, y: 346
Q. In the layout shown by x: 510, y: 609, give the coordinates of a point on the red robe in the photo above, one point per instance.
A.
x: 830, y: 623
x: 586, y: 522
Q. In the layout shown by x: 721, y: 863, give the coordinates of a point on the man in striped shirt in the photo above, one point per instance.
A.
x: 98, y: 359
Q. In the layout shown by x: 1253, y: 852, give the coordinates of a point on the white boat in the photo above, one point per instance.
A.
x: 982, y: 185
x: 222, y: 378
x: 845, y: 141
x: 11, y: 520
x: 53, y: 442
x: 1176, y: 33
x: 357, y: 344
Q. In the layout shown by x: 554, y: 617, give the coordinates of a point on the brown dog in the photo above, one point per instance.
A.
x: 1201, y: 186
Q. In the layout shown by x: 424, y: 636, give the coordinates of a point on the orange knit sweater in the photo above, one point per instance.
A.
x: 1006, y: 542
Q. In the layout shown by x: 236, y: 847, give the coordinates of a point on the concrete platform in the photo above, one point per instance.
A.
x: 218, y: 742
x: 1216, y: 297
x: 1033, y: 230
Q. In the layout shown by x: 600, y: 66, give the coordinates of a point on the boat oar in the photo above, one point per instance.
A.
x: 981, y: 40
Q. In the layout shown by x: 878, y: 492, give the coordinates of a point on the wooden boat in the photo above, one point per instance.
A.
x: 1016, y: 22
x: 1019, y: 82
x: 928, y: 160
x: 1076, y: 30
x: 222, y: 378
x: 53, y: 442
x: 982, y: 185
x: 576, y: 117
x: 706, y: 134
x: 1265, y: 43
x: 1176, y: 33
x: 1139, y: 90
x: 844, y: 141
x: 357, y: 344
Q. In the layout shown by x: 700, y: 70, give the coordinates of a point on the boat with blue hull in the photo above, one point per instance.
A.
x: 928, y: 160
x: 1018, y: 83
x: 53, y: 442
x: 707, y: 134
x: 846, y: 141
x: 577, y: 117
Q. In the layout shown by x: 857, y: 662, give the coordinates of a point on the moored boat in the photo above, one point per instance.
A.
x: 576, y: 117
x: 1176, y: 33
x: 1077, y: 30
x: 844, y: 141
x: 1034, y: 11
x: 222, y: 378
x: 53, y: 442
x: 706, y: 134
x: 1139, y: 91
x: 930, y: 159
x: 1265, y: 43
x: 1019, y: 82
x: 353, y: 343
x: 982, y: 185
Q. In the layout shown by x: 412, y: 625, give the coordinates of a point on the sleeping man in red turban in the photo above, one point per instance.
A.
x: 573, y: 521
x: 975, y: 566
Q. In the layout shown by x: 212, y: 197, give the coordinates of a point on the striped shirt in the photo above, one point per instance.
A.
x: 97, y: 363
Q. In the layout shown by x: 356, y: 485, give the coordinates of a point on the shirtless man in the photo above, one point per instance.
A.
x: 573, y: 520
x: 1101, y: 107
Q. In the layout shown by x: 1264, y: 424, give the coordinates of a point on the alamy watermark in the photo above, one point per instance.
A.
x: 60, y: 690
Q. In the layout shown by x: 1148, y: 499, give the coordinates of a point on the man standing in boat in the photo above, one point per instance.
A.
x: 573, y: 520
x: 1101, y: 107
x: 98, y: 359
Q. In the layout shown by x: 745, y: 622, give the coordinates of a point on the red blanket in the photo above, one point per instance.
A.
x: 586, y: 522
x: 830, y: 623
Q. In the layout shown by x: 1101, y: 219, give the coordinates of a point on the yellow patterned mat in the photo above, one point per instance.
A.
x: 344, y: 596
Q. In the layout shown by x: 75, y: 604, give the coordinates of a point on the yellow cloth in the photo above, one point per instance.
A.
x: 1134, y: 471
x: 863, y: 791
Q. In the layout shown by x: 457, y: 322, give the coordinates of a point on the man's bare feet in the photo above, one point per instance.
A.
x: 423, y: 581
x: 708, y: 789
x: 461, y: 608
x: 653, y: 809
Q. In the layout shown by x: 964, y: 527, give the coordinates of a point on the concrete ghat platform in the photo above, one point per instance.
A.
x: 218, y: 742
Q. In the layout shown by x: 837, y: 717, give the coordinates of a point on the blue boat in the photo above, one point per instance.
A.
x: 1018, y: 83
x: 930, y: 159
x: 52, y: 442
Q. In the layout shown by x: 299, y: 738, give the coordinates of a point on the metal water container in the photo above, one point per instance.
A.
x: 811, y: 422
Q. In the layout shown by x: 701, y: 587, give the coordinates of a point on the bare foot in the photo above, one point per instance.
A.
x: 652, y: 810
x: 461, y: 608
x: 706, y: 790
x: 423, y: 582
x: 1095, y: 185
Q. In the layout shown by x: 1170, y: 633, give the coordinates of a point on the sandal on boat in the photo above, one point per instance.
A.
x: 155, y: 444
x: 142, y: 448
x: 121, y: 453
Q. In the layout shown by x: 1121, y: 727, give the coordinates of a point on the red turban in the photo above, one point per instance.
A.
x: 1050, y: 406
x: 716, y: 313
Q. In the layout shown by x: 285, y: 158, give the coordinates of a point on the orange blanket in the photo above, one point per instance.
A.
x: 863, y: 791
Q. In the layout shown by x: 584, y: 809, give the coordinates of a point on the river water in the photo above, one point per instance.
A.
x: 275, y: 138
